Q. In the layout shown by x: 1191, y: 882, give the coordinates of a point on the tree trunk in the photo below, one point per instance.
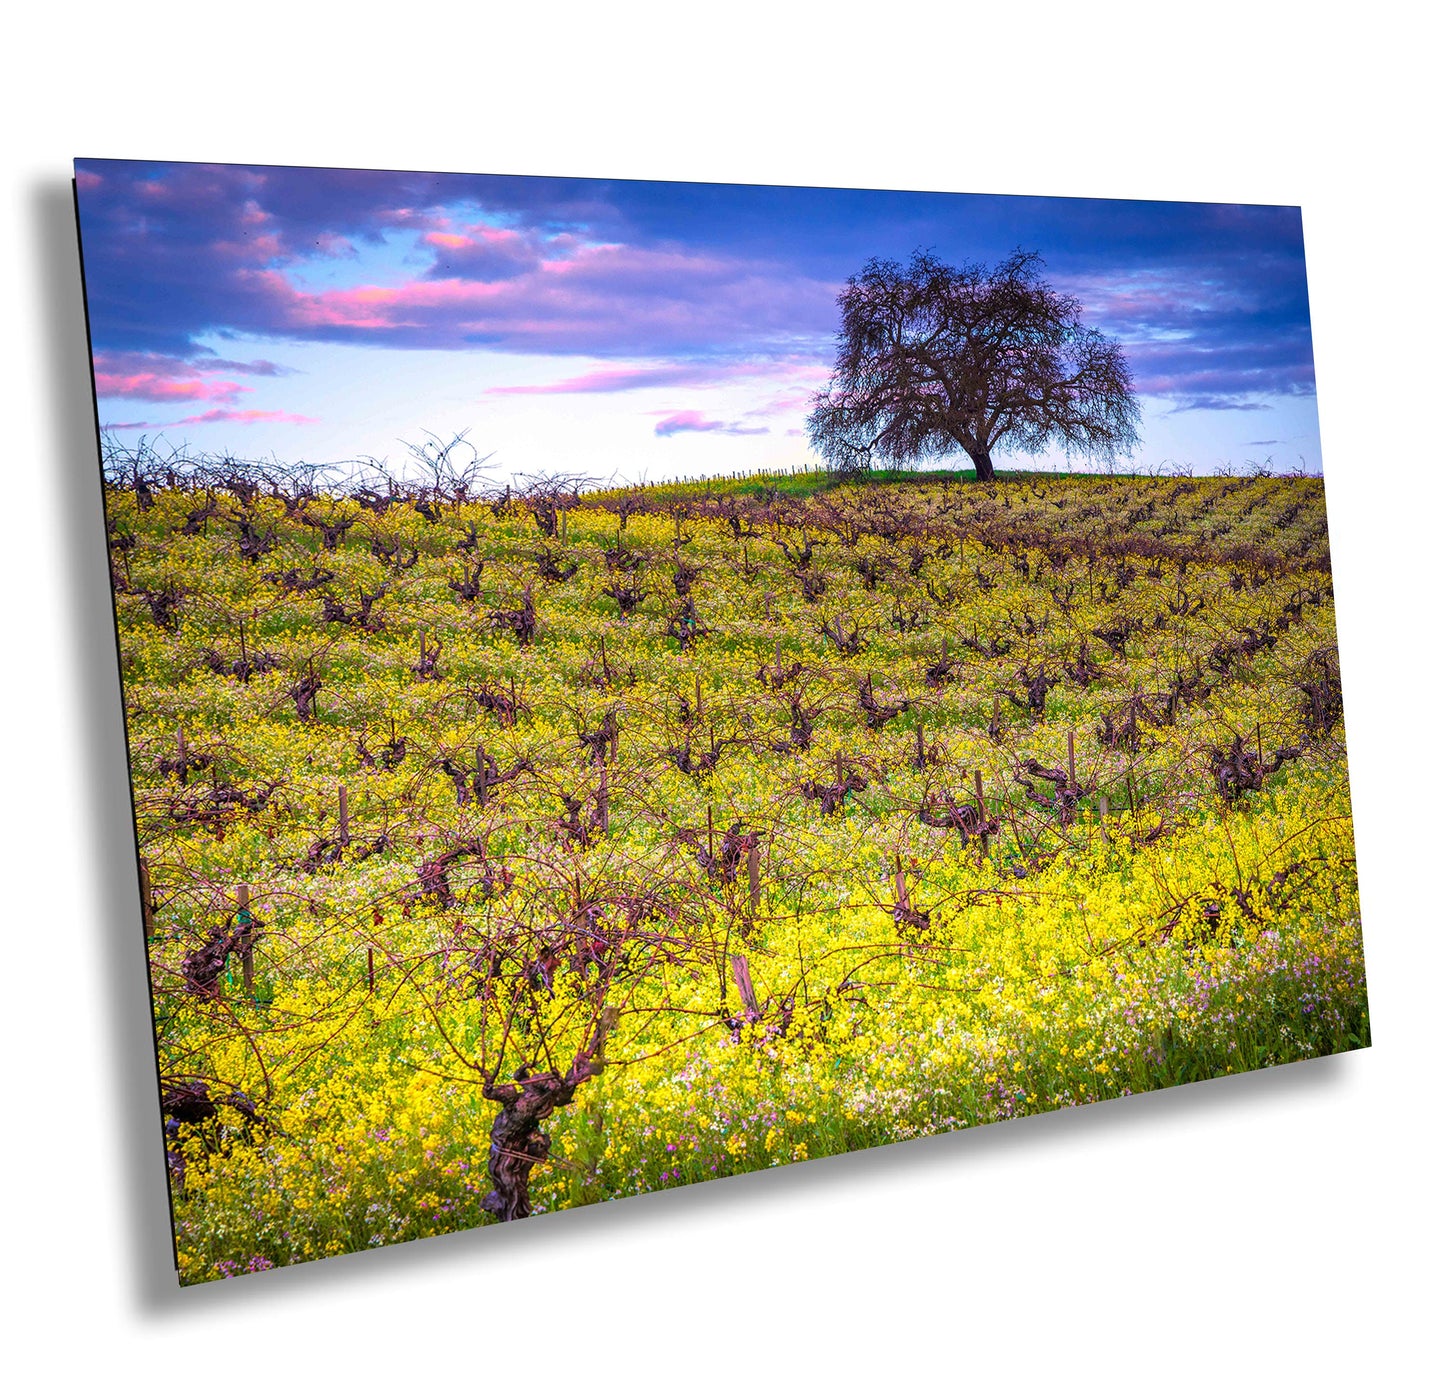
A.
x: 983, y: 465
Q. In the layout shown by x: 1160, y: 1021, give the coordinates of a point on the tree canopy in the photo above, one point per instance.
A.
x: 934, y: 359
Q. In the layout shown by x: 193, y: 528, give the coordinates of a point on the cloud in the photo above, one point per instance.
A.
x: 1220, y: 368
x: 172, y: 379
x: 246, y: 415
x: 1205, y: 336
x: 484, y: 254
x: 680, y: 280
x: 174, y: 253
x: 689, y: 420
x: 601, y: 300
x: 217, y: 415
x: 1215, y: 403
x: 701, y: 373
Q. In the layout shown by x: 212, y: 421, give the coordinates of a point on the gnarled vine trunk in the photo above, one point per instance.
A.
x: 519, y: 1141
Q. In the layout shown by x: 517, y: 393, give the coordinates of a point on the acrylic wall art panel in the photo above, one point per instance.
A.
x: 630, y: 683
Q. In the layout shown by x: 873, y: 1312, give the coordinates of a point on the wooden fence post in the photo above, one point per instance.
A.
x: 1072, y: 782
x: 247, y: 938
x: 743, y: 979
x: 344, y: 815
x: 982, y: 810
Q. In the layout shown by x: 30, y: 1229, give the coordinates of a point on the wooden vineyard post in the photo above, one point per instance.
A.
x: 697, y: 692
x: 1072, y: 782
x: 562, y: 524
x: 421, y: 639
x: 919, y: 746
x: 343, y: 824
x: 184, y: 771
x: 754, y: 881
x: 742, y: 978
x: 982, y: 810
x: 246, y: 939
x: 767, y: 602
x: 711, y: 859
x: 371, y: 972
x: 838, y: 764
x: 603, y: 816
x: 1104, y: 815
x: 481, y: 776
x: 147, y: 908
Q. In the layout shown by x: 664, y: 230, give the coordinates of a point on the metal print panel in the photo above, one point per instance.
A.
x: 629, y: 683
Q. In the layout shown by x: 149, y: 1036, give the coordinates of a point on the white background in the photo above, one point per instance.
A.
x: 1278, y: 1233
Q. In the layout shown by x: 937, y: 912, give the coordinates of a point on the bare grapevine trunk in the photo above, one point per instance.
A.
x: 519, y: 1141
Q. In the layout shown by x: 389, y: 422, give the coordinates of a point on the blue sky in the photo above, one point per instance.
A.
x: 631, y: 330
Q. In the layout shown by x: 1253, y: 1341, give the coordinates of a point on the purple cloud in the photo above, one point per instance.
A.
x: 689, y: 420
x: 175, y: 253
x: 153, y: 378
x: 692, y: 283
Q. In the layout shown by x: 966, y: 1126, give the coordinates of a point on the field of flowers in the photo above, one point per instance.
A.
x: 504, y: 854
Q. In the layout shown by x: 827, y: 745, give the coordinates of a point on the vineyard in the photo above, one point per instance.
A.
x: 508, y: 850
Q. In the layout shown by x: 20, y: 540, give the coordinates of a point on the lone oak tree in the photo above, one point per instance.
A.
x: 933, y: 358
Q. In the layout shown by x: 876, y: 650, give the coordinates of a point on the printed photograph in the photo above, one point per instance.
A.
x: 629, y: 683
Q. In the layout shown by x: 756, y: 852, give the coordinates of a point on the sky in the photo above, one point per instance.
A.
x: 631, y: 331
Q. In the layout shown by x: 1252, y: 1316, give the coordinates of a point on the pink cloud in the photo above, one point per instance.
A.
x: 689, y: 420
x: 153, y: 389
x: 172, y: 379
x: 247, y: 415
x: 598, y: 298
x: 610, y: 380
x: 217, y: 415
